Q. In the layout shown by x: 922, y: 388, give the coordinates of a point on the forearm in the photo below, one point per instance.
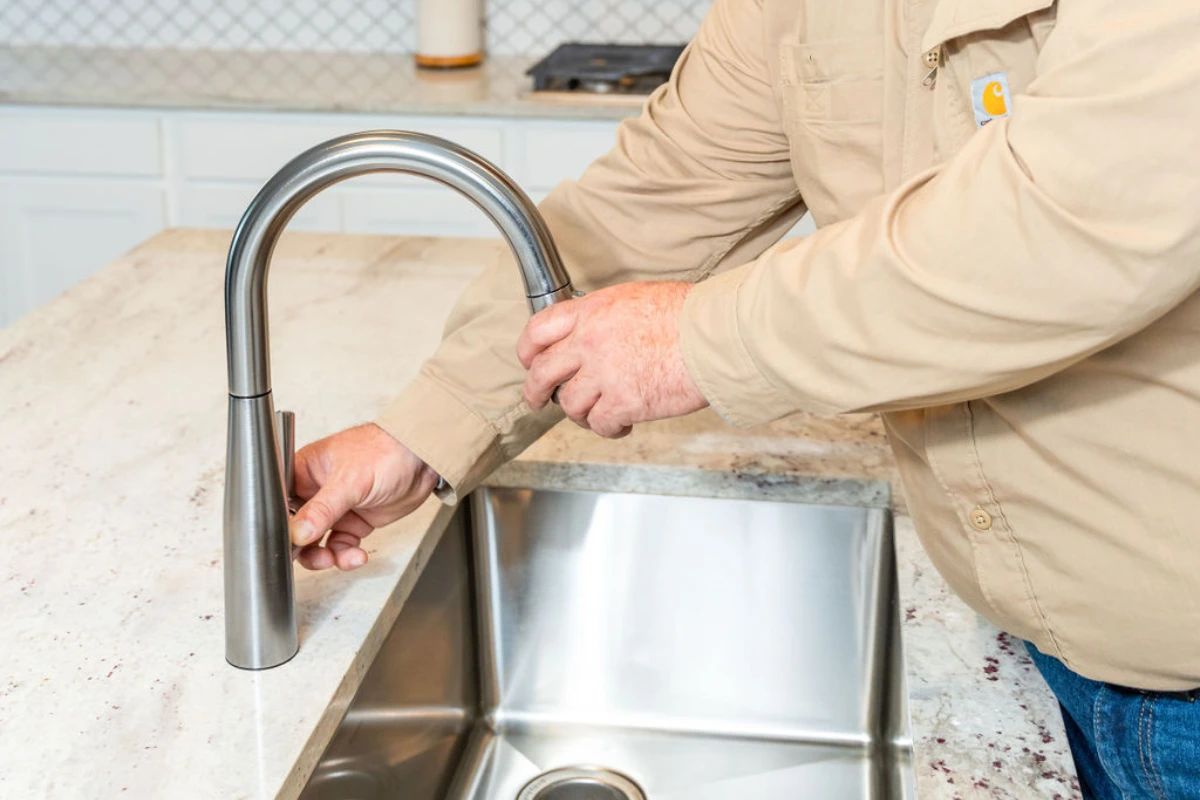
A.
x: 699, y: 180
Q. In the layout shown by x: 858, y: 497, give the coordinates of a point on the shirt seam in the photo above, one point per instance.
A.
x: 710, y: 264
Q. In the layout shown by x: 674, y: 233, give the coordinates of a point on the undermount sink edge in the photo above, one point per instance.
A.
x: 706, y: 648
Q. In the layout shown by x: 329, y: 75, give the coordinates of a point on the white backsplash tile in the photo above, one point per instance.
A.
x: 514, y: 27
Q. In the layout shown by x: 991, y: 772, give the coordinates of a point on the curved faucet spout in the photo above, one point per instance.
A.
x: 483, y: 183
x: 260, y: 614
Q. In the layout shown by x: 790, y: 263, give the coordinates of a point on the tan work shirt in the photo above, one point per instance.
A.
x: 1008, y: 196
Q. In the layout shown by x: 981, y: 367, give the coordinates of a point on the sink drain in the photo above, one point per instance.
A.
x: 581, y: 783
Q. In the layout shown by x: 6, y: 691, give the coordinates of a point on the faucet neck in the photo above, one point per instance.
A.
x: 515, y: 215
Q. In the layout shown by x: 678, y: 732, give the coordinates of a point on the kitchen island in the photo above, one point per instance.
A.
x: 112, y: 678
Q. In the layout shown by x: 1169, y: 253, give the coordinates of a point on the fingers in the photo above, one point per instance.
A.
x: 342, y: 550
x: 549, y: 369
x: 315, y: 557
x: 576, y: 398
x: 580, y: 400
x: 346, y: 551
x: 545, y: 328
x: 321, y: 511
x: 604, y: 423
x: 351, y: 522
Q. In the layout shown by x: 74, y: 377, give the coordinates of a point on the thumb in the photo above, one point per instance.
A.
x: 319, y: 512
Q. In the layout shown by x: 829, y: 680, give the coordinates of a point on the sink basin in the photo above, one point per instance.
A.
x: 600, y: 646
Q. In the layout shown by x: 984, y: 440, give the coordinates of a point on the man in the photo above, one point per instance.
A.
x: 1008, y: 197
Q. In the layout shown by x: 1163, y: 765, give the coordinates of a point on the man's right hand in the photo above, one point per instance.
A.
x: 351, y: 483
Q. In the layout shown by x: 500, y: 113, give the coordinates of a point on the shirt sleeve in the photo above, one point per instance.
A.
x: 699, y: 180
x: 1054, y: 233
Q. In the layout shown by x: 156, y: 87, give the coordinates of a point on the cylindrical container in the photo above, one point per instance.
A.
x: 449, y: 33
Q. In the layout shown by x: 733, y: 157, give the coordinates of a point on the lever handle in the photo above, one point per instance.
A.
x: 285, y: 424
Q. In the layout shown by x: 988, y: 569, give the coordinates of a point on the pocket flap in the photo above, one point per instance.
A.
x: 833, y: 60
x: 954, y: 18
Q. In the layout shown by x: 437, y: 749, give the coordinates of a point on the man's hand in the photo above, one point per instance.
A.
x: 613, y: 355
x: 353, y: 482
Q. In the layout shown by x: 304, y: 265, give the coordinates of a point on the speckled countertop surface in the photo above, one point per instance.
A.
x: 283, y: 81
x: 112, y: 679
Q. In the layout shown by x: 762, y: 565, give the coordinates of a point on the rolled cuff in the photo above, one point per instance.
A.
x: 462, y: 447
x: 717, y: 356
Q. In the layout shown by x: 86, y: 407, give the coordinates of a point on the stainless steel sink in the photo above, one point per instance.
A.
x: 594, y: 646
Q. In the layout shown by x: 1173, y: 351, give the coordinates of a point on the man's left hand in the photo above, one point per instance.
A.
x: 613, y: 355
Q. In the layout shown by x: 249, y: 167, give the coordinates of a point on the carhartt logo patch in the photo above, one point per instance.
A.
x: 990, y: 97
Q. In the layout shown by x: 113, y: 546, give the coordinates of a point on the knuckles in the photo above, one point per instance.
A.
x: 572, y: 405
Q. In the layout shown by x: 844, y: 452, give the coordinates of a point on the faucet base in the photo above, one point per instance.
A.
x: 260, y: 615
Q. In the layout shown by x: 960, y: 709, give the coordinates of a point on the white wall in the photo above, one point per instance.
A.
x: 520, y: 27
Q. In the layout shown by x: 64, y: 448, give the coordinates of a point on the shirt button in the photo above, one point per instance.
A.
x: 933, y: 58
x: 980, y: 519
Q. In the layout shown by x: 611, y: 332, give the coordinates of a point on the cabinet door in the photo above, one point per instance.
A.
x: 55, y: 232
x: 552, y: 152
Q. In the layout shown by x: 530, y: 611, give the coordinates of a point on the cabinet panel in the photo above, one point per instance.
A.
x: 554, y: 153
x: 222, y: 207
x: 411, y: 211
x: 238, y: 147
x: 79, y: 143
x: 59, y: 231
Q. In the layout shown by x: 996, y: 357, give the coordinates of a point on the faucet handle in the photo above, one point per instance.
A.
x: 285, y: 424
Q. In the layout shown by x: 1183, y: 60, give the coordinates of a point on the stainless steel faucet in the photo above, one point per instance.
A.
x: 260, y: 614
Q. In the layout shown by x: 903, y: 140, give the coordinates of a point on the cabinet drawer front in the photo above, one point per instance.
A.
x: 226, y: 148
x: 553, y: 154
x: 79, y: 143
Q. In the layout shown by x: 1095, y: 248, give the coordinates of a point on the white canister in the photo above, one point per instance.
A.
x: 449, y: 33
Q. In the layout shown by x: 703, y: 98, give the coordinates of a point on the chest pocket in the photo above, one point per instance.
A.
x: 833, y: 112
x: 978, y: 39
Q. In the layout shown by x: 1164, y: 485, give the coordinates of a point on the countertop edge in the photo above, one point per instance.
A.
x: 742, y: 484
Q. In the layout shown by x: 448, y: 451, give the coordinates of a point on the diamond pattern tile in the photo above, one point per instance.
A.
x: 514, y: 27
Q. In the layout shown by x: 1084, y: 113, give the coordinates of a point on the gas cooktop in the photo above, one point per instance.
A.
x: 605, y: 68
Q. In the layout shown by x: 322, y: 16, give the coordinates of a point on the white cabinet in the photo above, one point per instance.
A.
x: 78, y: 187
x: 79, y: 142
x: 200, y: 205
x: 253, y: 147
x: 425, y: 210
x: 57, y: 231
x: 554, y: 152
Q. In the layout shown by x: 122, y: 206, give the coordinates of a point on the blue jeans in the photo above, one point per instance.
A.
x: 1128, y: 744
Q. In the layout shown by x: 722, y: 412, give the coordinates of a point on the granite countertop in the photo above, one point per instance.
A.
x: 113, y: 680
x: 285, y: 81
